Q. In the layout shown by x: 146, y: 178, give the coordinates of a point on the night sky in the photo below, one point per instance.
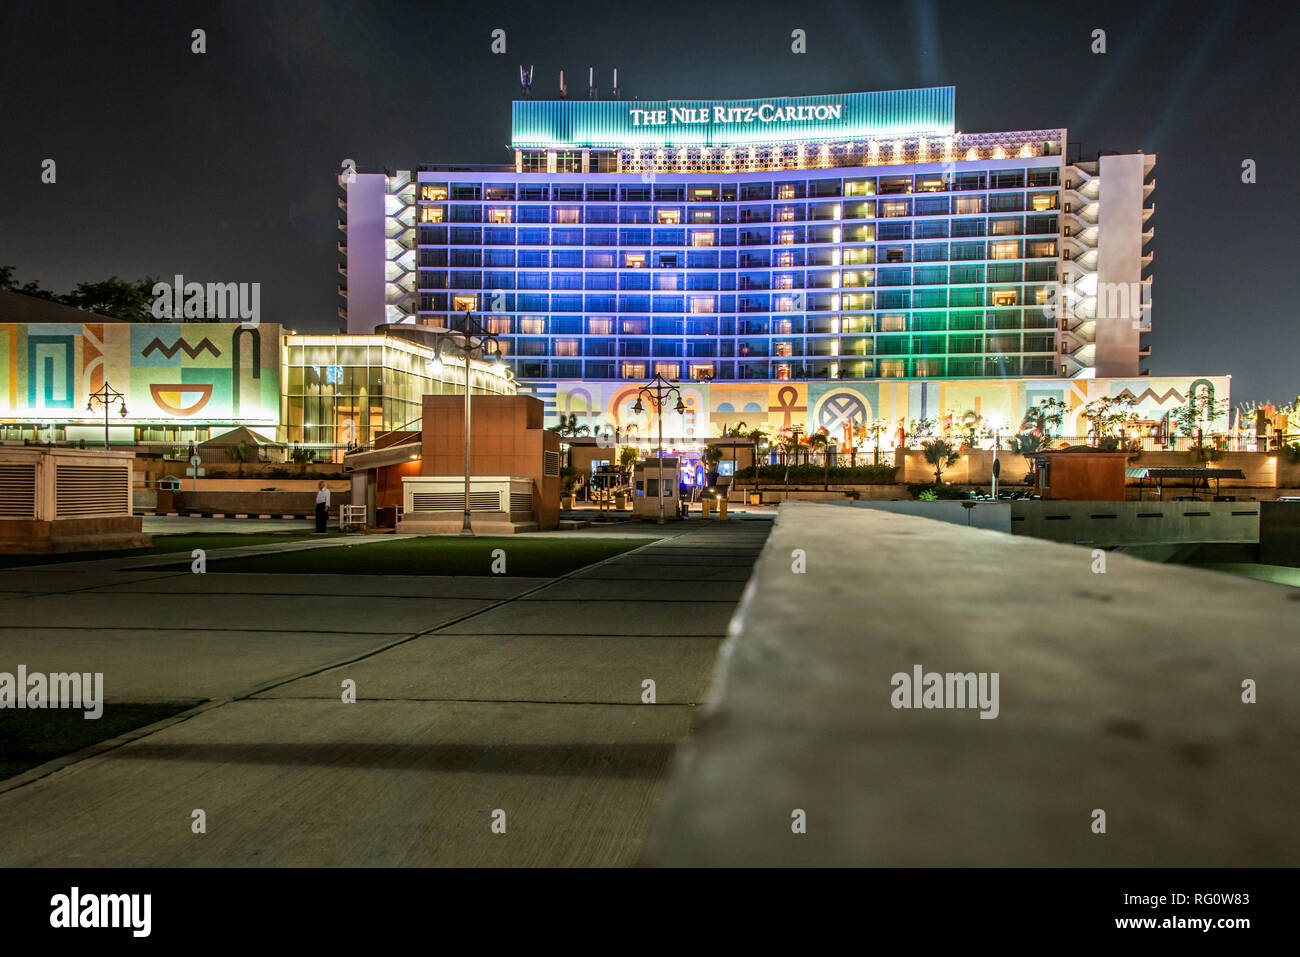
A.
x: 221, y: 166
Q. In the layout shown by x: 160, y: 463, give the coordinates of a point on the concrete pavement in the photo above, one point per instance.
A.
x: 474, y: 695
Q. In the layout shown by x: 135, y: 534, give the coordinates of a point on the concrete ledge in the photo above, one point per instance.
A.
x: 1119, y: 691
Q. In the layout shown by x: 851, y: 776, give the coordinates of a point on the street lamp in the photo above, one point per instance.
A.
x: 476, y: 339
x: 105, y: 397
x: 997, y: 424
x: 658, y: 390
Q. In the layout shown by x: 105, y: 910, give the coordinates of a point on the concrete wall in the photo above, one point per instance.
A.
x: 1119, y: 261
x: 1119, y: 691
x: 251, y: 503
x: 994, y: 516
x: 1136, y: 523
x: 1279, y: 533
x: 365, y: 242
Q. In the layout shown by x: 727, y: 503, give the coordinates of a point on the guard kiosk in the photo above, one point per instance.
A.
x: 651, y: 475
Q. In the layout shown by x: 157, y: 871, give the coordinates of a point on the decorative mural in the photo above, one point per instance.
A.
x: 837, y: 406
x: 200, y: 372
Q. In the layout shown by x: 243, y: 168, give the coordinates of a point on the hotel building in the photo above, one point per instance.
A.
x: 852, y: 247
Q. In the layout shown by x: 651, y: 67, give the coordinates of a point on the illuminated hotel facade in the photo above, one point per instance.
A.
x: 833, y: 244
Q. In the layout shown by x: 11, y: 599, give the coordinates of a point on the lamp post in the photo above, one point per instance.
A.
x: 657, y: 390
x: 475, y: 339
x: 997, y: 426
x: 105, y: 397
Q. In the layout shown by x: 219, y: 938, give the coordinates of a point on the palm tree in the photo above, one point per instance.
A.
x: 1030, y: 444
x: 301, y: 457
x: 241, y: 452
x: 736, y: 431
x: 821, y: 441
x: 940, y: 454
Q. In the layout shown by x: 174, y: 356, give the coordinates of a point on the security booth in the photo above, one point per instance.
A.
x: 649, y: 478
x: 611, y: 485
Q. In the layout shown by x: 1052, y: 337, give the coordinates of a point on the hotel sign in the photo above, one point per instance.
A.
x: 724, y: 113
x: 612, y: 124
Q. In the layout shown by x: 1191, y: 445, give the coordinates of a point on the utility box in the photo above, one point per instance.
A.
x: 650, y: 477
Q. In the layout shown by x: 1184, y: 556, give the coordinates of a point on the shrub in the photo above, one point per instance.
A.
x: 919, y: 490
x: 816, y: 474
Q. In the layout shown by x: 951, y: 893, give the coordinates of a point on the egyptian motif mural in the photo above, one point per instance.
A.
x: 835, y: 406
x: 198, y: 372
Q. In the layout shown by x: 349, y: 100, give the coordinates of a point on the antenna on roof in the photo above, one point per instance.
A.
x: 616, y: 83
x: 564, y: 90
x: 591, y: 83
x: 526, y: 81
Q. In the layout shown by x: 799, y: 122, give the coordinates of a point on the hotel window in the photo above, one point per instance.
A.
x: 532, y: 325
x: 785, y: 191
x: 432, y: 214
x: 669, y: 216
x: 499, y: 214
x: 705, y: 193
x: 465, y: 303
x: 1040, y: 248
x: 568, y: 161
x: 499, y: 325
x: 634, y: 260
x: 859, y: 187
x: 669, y: 370
x: 784, y: 259
x: 783, y: 281
x: 702, y: 304
x: 783, y: 349
x: 600, y: 326
x: 899, y: 207
x: 701, y: 370
x: 567, y: 347
x: 568, y: 214
x: 1005, y: 297
x: 434, y: 193
x: 785, y: 214
x: 965, y: 205
x: 1004, y: 250
x: 703, y: 216
x: 782, y: 327
x: 783, y: 304
x: 785, y: 237
x: 1043, y: 201
x: 702, y: 237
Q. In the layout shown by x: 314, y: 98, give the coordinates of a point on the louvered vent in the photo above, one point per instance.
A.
x: 551, y: 466
x: 18, y: 491
x: 455, y: 501
x: 521, y: 502
x: 82, y: 491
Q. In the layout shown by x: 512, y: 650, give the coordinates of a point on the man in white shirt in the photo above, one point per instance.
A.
x: 322, y: 507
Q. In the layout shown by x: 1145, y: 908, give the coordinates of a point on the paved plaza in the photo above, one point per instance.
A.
x: 475, y: 695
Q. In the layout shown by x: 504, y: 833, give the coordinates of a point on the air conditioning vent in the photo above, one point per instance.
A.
x: 84, y: 491
x: 18, y: 491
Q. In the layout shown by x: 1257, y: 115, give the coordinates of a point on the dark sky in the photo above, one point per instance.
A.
x: 220, y: 166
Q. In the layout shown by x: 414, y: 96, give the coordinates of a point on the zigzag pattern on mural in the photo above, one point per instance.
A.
x: 1160, y: 399
x: 191, y: 351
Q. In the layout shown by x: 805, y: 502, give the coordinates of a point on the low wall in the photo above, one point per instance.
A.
x: 1136, y: 523
x: 36, y: 537
x: 994, y: 516
x: 1119, y: 692
x: 231, y: 504
x: 1279, y: 533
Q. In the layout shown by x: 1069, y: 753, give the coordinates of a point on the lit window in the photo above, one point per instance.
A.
x: 499, y: 325
x: 632, y: 370
x: 785, y: 259
x: 785, y: 237
x: 702, y: 237
x: 1043, y: 201
x: 600, y: 327
x: 669, y: 370
x: 567, y: 214
x: 532, y: 325
x: 499, y: 214
x: 782, y: 349
x: 670, y: 216
x: 634, y: 260
x: 431, y: 214
x: 567, y: 347
x: 785, y: 214
x: 465, y: 303
x: 1004, y: 250
x: 702, y: 370
x: 434, y: 193
x: 785, y: 191
x: 1004, y: 298
x: 783, y: 370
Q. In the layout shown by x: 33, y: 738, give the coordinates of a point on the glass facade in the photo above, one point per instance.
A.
x: 915, y: 270
x: 342, y: 391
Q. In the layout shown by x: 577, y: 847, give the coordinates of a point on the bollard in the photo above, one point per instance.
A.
x: 704, y: 508
x: 722, y: 509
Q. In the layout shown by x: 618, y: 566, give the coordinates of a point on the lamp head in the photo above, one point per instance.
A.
x: 681, y: 406
x: 638, y: 408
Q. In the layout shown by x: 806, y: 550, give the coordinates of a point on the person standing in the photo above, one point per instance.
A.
x: 322, y: 507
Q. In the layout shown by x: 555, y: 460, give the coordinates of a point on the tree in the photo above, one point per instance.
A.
x: 568, y: 426
x: 736, y: 431
x: 874, y: 429
x: 301, y: 457
x: 969, y: 423
x: 1030, y: 444
x: 241, y: 452
x: 940, y: 454
x: 820, y: 441
x: 1192, y: 418
x: 711, y: 456
x: 1106, y: 417
x: 1044, y: 416
x: 627, y: 457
